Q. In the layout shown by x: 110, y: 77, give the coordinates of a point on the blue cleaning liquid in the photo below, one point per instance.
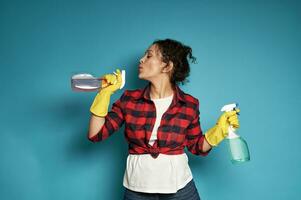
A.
x: 239, y: 151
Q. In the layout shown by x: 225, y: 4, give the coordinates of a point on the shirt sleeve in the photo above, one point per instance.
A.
x: 113, y: 121
x: 195, y: 137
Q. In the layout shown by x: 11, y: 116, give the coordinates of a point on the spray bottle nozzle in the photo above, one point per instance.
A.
x: 229, y: 107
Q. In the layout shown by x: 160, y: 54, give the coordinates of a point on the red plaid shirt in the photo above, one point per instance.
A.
x: 179, y: 128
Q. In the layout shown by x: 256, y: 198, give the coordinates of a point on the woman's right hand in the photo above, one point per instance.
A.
x: 111, y: 82
x: 101, y: 102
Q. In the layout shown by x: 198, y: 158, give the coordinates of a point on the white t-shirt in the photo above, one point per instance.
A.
x: 166, y: 173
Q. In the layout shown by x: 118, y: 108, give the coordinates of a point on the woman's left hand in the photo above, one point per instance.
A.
x: 227, y: 119
x: 218, y: 132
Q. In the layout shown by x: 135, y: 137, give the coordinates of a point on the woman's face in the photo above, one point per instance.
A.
x: 151, y: 64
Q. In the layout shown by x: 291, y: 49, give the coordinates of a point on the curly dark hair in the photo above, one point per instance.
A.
x: 179, y: 54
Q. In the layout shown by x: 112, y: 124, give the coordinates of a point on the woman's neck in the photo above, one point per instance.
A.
x: 161, y: 90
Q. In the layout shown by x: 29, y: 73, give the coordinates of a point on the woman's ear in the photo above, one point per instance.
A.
x: 168, y: 67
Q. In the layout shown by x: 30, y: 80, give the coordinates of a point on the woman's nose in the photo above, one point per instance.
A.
x: 141, y: 60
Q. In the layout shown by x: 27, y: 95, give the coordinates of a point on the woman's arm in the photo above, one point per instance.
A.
x: 206, y: 146
x: 95, y: 125
x: 100, y: 106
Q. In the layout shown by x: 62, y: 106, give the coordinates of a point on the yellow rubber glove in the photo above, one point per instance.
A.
x: 218, y: 132
x: 101, y: 102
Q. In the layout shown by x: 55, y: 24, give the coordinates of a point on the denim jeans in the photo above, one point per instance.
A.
x: 189, y: 192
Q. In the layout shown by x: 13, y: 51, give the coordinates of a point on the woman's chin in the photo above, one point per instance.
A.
x: 140, y: 76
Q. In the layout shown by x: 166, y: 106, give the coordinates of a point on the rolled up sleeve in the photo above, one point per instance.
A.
x: 195, y: 137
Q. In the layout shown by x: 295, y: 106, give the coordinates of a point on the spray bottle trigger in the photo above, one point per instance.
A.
x: 238, y: 113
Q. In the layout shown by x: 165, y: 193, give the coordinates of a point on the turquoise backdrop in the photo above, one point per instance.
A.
x: 248, y: 52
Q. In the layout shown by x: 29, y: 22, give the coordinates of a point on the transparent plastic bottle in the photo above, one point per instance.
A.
x: 85, y: 83
x: 88, y: 83
x: 238, y: 148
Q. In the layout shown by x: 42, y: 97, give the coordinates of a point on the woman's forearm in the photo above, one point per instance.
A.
x: 206, y: 146
x: 95, y: 125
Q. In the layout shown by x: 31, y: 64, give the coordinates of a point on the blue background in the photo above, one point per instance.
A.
x: 247, y: 51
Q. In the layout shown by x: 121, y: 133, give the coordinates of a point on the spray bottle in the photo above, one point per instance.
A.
x: 238, y: 147
x: 88, y: 83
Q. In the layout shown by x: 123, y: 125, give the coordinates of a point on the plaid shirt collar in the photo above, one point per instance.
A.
x: 178, y: 95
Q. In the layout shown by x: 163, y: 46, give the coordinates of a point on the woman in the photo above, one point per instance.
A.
x: 160, y: 121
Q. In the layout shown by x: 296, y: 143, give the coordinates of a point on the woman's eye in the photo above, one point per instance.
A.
x: 148, y: 56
